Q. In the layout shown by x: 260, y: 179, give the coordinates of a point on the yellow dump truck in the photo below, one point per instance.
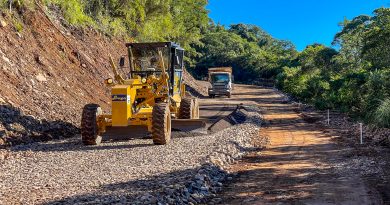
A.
x: 221, y: 80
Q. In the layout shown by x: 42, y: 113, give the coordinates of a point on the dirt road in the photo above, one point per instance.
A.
x: 301, y: 164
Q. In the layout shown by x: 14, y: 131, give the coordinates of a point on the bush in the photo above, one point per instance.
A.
x: 382, y: 114
x: 73, y: 12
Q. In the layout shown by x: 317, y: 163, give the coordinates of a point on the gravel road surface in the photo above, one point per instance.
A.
x: 66, y: 172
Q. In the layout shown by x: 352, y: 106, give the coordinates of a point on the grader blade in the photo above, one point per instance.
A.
x: 125, y: 133
x: 188, y: 125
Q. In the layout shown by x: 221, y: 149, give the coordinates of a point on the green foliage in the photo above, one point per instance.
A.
x: 252, y: 52
x: 16, y: 5
x: 382, y: 114
x: 181, y: 21
x: 73, y: 11
x: 356, y: 79
x: 17, y: 24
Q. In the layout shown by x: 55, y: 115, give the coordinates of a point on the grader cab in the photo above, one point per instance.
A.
x: 152, y: 97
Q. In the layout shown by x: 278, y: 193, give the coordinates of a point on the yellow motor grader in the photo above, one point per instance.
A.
x: 151, y: 97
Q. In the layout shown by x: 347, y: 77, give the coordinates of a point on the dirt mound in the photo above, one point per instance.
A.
x: 195, y: 87
x: 51, y: 71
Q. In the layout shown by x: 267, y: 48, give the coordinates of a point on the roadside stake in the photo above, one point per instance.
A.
x: 361, y: 133
x: 328, y: 118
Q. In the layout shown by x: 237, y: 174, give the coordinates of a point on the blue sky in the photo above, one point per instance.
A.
x: 301, y: 21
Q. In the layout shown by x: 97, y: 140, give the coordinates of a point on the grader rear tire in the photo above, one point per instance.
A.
x: 161, y: 124
x: 186, y: 110
x: 89, y: 127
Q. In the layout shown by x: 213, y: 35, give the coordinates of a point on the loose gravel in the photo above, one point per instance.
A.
x: 187, y: 171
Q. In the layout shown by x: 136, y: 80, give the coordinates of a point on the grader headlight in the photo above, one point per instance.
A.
x: 143, y: 80
x: 109, y: 81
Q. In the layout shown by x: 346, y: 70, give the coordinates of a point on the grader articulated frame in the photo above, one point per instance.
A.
x: 151, y: 98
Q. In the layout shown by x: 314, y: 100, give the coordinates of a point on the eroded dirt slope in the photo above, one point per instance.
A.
x: 50, y: 71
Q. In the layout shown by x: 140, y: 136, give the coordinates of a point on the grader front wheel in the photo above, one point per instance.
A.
x: 161, y: 124
x: 89, y: 127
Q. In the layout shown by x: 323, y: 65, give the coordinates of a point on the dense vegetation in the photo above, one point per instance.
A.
x: 253, y: 53
x: 139, y: 20
x: 354, y: 78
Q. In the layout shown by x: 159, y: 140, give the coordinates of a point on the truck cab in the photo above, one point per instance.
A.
x: 221, y: 81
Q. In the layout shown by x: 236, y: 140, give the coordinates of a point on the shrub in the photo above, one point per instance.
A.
x: 73, y: 11
x: 382, y: 114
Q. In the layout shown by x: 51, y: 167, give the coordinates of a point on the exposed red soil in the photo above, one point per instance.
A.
x: 51, y: 73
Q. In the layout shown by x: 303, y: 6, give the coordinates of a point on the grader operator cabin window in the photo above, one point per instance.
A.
x: 147, y: 59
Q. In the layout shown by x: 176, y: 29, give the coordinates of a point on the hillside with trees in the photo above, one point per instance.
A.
x: 352, y: 76
x: 355, y: 78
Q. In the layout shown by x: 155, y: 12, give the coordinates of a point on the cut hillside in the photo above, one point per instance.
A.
x: 195, y: 87
x: 48, y: 73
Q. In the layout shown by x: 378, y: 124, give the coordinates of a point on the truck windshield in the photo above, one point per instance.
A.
x: 220, y: 78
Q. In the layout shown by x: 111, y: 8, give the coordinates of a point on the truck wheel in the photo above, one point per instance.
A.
x: 161, y: 124
x: 89, y: 127
x: 195, y: 114
x: 186, y: 110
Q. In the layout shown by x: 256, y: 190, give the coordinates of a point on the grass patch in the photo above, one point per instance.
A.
x: 73, y: 12
x: 382, y: 114
x: 17, y: 24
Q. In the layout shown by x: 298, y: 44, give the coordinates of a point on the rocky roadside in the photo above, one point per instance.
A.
x: 209, y: 178
x: 17, y: 128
